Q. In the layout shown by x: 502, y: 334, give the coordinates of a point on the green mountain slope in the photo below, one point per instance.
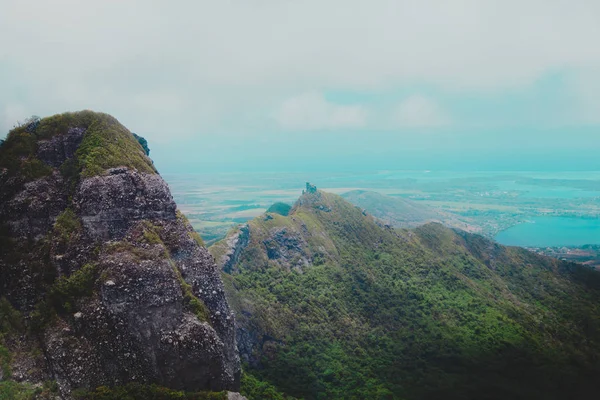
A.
x: 332, y: 305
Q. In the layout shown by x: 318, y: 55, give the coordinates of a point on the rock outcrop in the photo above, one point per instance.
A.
x: 110, y: 282
x: 228, y: 252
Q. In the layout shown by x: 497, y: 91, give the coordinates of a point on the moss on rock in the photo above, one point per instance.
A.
x: 191, y: 302
x: 106, y: 144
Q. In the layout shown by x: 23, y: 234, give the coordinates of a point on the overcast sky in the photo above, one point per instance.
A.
x: 228, y: 82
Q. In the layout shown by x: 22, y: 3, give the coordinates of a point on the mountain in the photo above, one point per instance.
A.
x: 103, y: 283
x: 331, y: 304
x: 403, y: 213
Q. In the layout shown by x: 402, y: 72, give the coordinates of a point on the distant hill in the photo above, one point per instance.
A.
x: 331, y: 304
x: 403, y: 213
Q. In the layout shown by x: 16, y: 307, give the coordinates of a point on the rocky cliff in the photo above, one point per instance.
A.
x: 102, y: 280
x: 227, y: 251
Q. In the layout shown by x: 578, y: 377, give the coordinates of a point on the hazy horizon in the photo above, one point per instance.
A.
x: 246, y: 85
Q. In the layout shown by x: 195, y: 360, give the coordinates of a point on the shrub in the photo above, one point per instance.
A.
x: 66, y: 290
x: 67, y: 224
x: 10, y: 319
x: 280, y: 208
x: 143, y: 142
x: 255, y: 389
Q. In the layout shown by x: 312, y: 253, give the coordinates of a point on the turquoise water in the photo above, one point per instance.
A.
x: 552, y: 231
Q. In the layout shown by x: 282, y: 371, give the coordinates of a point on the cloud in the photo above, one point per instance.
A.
x: 419, y: 111
x: 221, y: 59
x: 311, y: 111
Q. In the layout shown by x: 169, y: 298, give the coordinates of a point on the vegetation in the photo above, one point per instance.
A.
x: 5, y: 359
x: 11, y: 320
x: 197, y: 238
x: 67, y: 224
x: 11, y: 390
x: 60, y: 124
x: 137, y: 253
x: 143, y: 142
x: 136, y: 391
x: 280, y: 208
x: 191, y: 302
x: 70, y: 172
x: 151, y: 233
x: 106, y: 144
x: 62, y: 296
x: 17, y: 155
x: 255, y: 389
x: 66, y: 290
x: 428, y: 313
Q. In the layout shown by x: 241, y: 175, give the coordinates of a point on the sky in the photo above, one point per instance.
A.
x: 233, y: 85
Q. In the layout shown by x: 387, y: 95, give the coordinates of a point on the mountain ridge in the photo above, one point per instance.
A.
x: 334, y: 304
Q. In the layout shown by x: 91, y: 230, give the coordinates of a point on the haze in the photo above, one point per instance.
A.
x: 318, y: 85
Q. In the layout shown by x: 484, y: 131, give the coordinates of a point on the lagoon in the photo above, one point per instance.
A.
x: 552, y: 232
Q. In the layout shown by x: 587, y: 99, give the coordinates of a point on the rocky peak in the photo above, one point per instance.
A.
x: 111, y: 283
x: 310, y: 188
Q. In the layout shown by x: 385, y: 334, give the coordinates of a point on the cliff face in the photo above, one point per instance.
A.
x: 227, y: 252
x: 107, y: 282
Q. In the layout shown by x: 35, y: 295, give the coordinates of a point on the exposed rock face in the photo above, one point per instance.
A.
x: 234, y: 243
x: 58, y: 149
x: 32, y: 211
x: 111, y: 280
x: 108, y: 204
x: 288, y: 248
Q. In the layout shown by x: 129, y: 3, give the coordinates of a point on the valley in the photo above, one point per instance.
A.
x: 489, y: 203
